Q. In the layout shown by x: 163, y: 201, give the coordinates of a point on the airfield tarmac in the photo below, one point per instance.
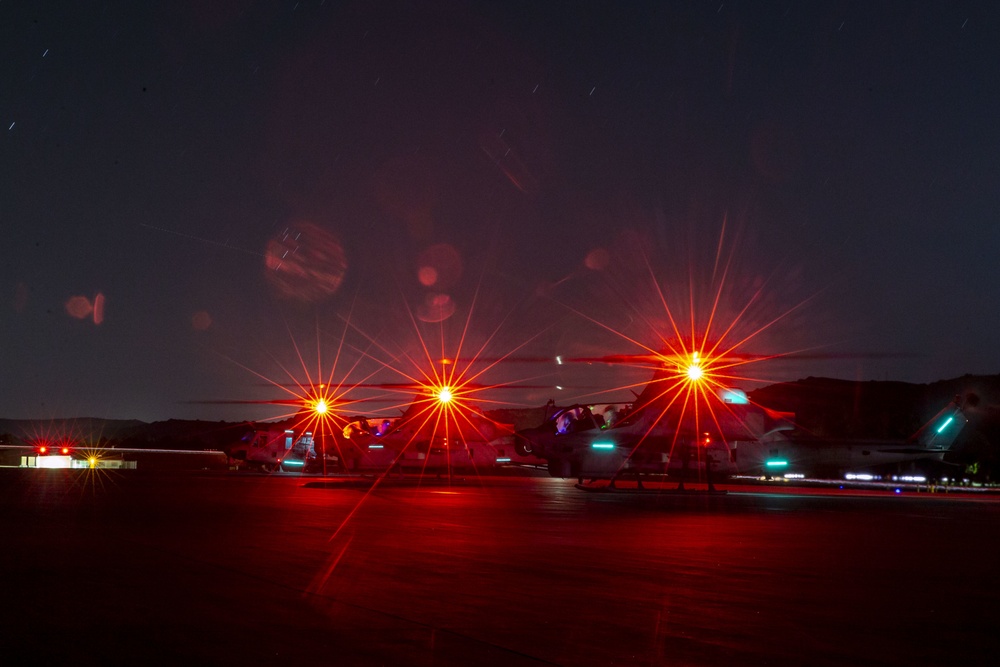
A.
x: 211, y: 568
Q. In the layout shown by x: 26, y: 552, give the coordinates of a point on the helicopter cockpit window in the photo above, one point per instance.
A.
x: 357, y: 427
x: 587, y: 420
x: 576, y: 420
x: 565, y: 422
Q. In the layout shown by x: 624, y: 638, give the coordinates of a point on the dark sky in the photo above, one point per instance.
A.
x: 536, y: 174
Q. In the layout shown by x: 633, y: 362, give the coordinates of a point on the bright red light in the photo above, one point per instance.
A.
x: 64, y: 450
x: 43, y: 449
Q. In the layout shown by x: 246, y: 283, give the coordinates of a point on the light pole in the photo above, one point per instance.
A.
x: 320, y: 408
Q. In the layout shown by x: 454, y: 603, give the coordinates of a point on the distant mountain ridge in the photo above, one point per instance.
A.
x: 78, y: 427
x: 170, y: 434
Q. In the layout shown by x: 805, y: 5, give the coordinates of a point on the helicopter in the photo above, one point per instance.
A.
x: 439, y: 430
x: 436, y: 432
x: 269, y: 447
x: 686, y: 424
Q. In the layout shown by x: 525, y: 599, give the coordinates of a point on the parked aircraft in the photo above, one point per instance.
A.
x: 437, y: 432
x: 678, y: 428
x: 269, y: 447
x: 795, y: 454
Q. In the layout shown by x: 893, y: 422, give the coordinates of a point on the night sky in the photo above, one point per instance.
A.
x: 194, y: 194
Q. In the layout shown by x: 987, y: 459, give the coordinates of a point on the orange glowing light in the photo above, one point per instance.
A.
x: 321, y: 407
x: 444, y: 395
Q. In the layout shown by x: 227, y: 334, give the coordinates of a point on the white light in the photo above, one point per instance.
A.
x: 375, y: 447
x: 558, y: 356
x: 52, y: 461
x: 795, y: 475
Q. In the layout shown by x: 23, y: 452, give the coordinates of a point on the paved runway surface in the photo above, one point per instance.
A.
x: 145, y: 568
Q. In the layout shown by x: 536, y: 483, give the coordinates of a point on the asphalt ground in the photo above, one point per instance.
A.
x: 157, y: 568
